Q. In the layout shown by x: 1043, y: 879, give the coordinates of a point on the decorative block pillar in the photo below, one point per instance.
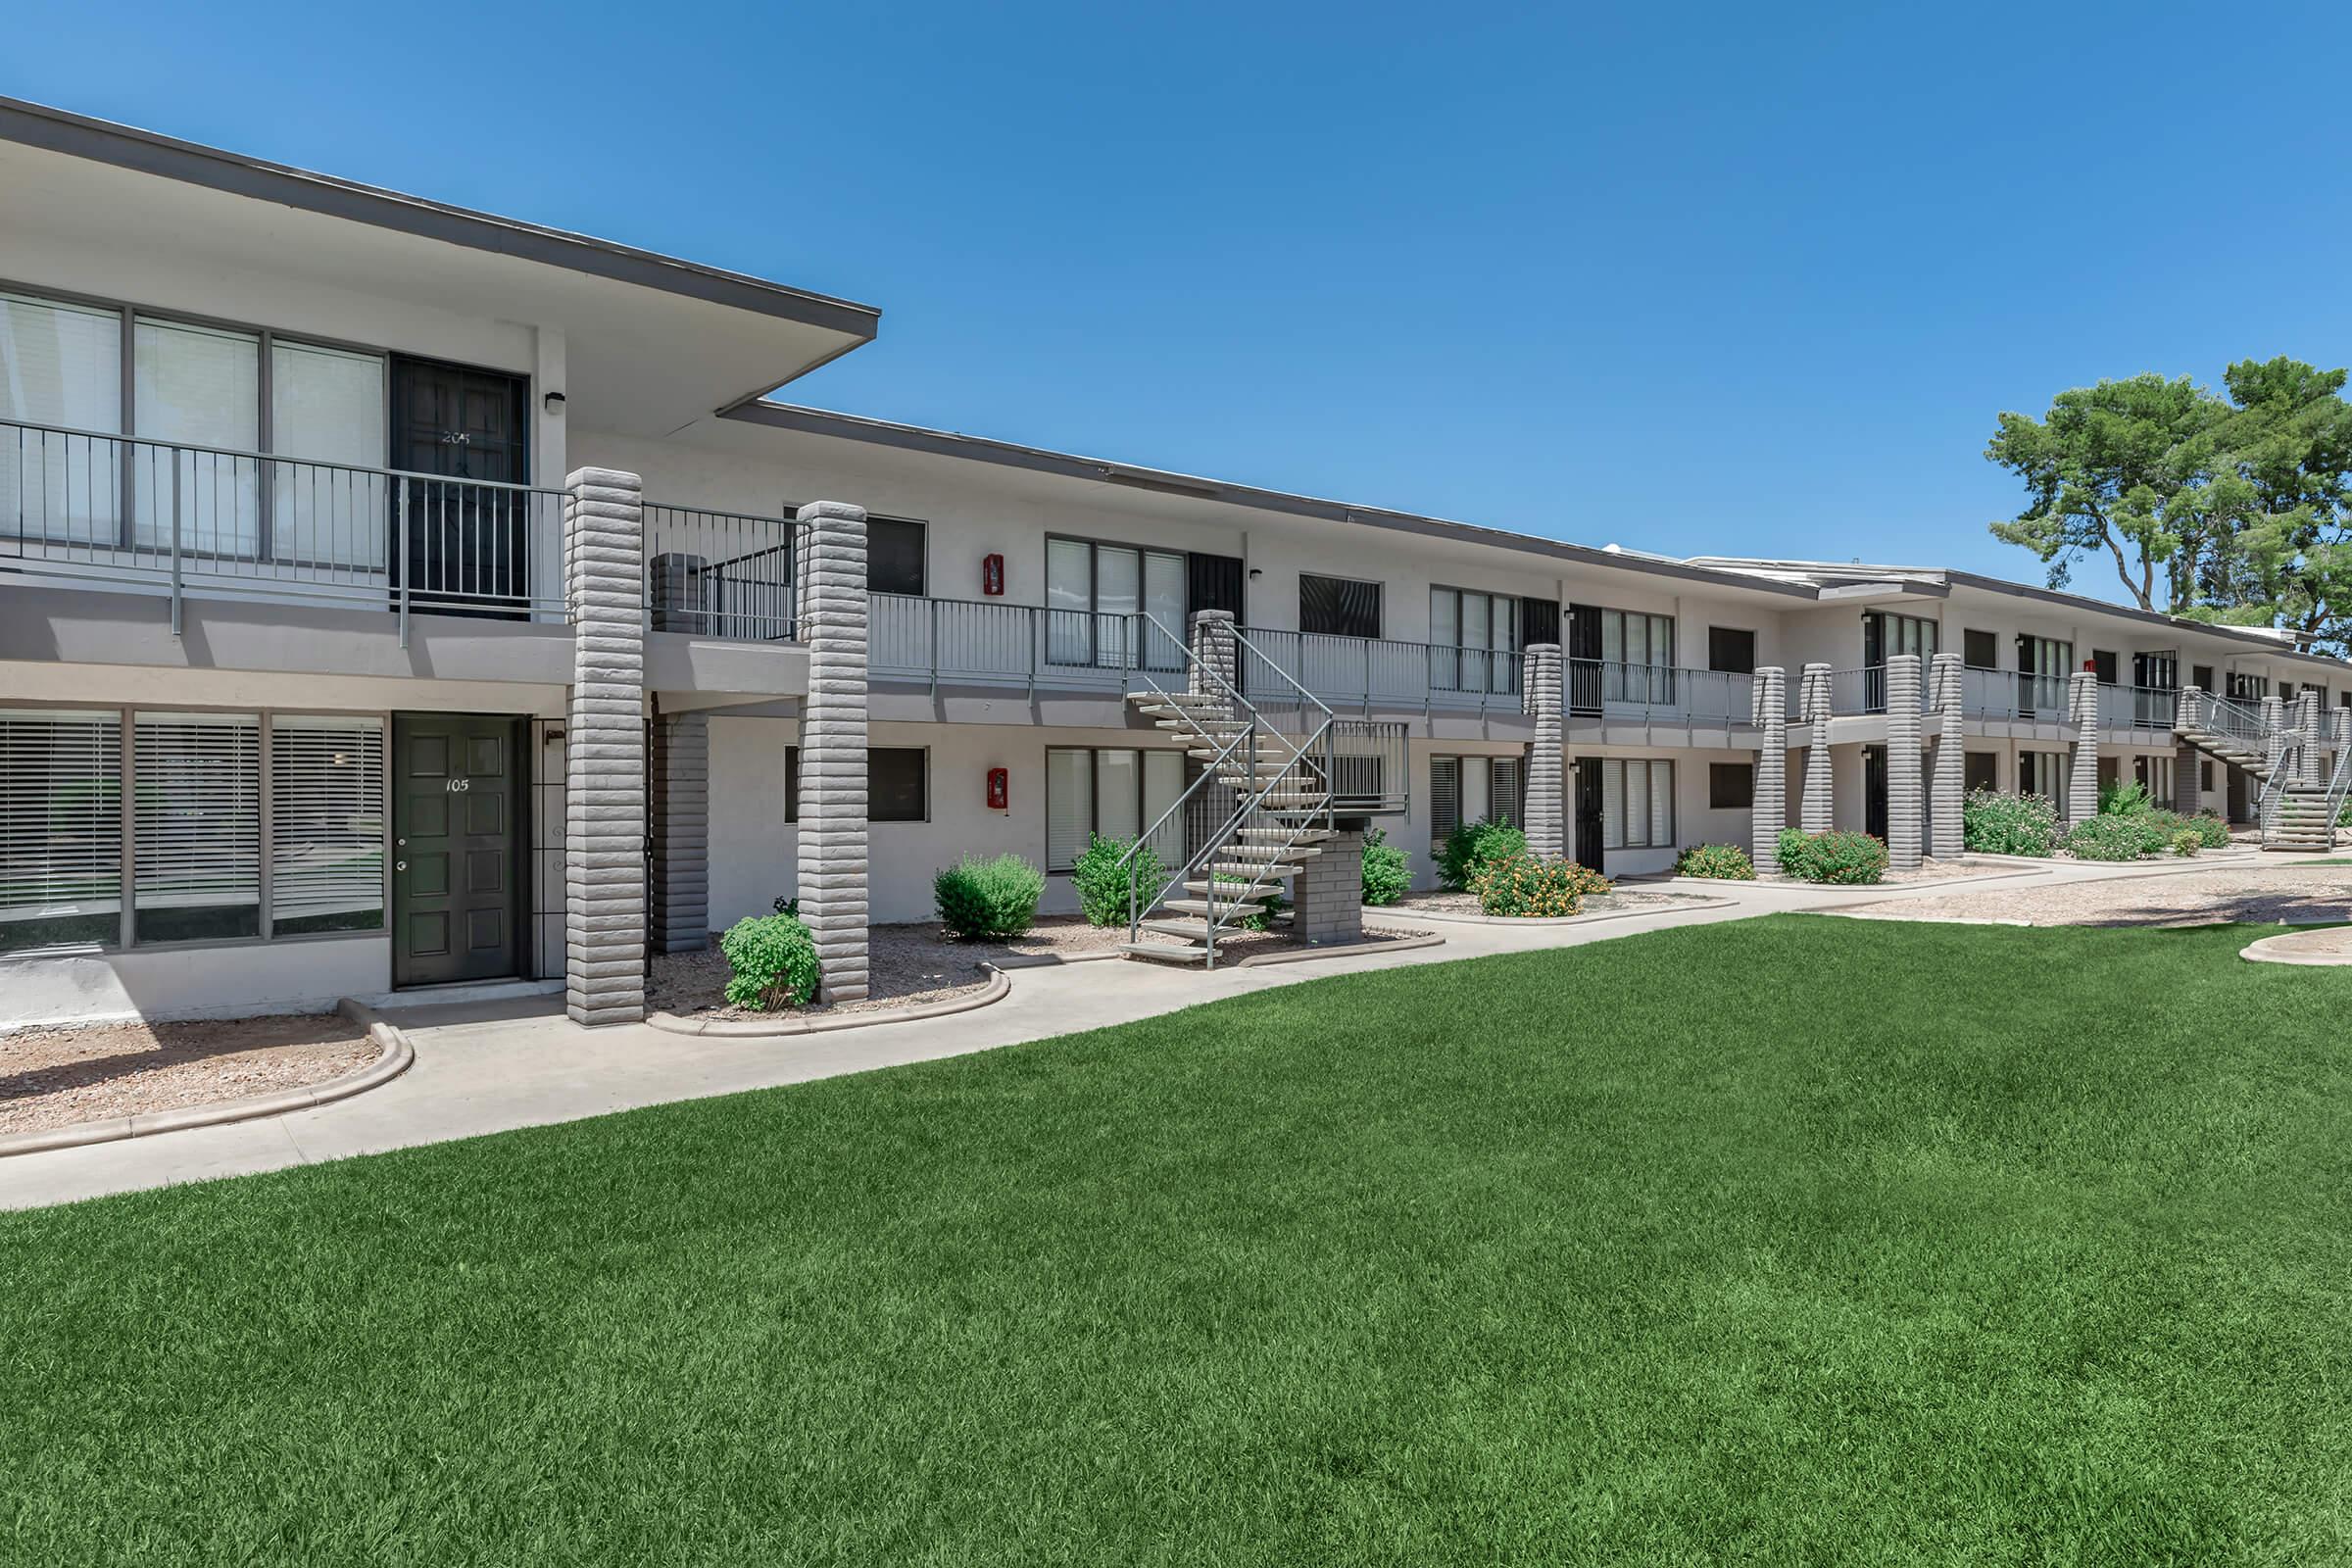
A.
x: 681, y: 817
x: 1214, y: 645
x: 2082, y: 711
x: 2308, y: 776
x: 603, y: 788
x: 1906, y: 794
x: 1545, y: 807
x: 2187, y: 795
x: 2274, y: 743
x: 832, y: 879
x: 1814, y: 708
x: 1327, y: 896
x: 1947, y: 780
x: 1768, y: 806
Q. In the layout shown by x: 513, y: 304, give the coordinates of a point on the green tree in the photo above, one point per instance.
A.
x: 2232, y: 510
x: 2116, y: 468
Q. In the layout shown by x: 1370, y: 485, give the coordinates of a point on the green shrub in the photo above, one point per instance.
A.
x: 1993, y: 823
x: 2186, y: 841
x: 772, y: 960
x: 2114, y: 838
x: 1584, y: 881
x: 1101, y: 882
x: 995, y: 898
x: 1726, y: 862
x: 1474, y: 846
x: 788, y: 905
x: 1388, y: 869
x: 1843, y: 859
x: 2211, y: 830
x: 1522, y: 887
x: 2124, y: 798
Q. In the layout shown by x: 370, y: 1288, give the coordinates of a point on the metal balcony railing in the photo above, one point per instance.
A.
x: 1658, y: 693
x: 722, y: 575
x: 1371, y: 671
x: 2146, y: 708
x: 981, y: 642
x: 165, y: 515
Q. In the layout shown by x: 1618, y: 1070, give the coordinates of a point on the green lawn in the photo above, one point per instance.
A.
x: 1793, y: 1240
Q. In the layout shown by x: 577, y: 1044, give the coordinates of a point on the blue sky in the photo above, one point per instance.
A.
x: 1740, y: 279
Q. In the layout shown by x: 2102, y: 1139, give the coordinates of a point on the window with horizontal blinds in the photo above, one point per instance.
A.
x: 326, y: 824
x: 60, y: 364
x: 1069, y: 804
x: 327, y: 405
x: 1504, y: 796
x: 61, y: 828
x: 196, y: 820
x: 1636, y: 804
x: 1444, y: 795
x: 200, y: 387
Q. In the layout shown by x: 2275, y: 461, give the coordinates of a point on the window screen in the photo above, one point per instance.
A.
x: 1732, y: 650
x: 1980, y: 649
x: 894, y: 556
x: 198, y: 386
x: 1444, y: 795
x: 327, y: 405
x: 1978, y: 769
x: 1338, y: 607
x: 1731, y: 786
x: 60, y: 364
x: 1069, y: 806
x: 895, y: 789
x: 61, y: 828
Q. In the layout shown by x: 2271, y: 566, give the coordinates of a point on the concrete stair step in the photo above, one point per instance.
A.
x: 1189, y: 929
x: 1224, y: 904
x: 1254, y: 873
x: 1284, y: 835
x: 1228, y: 893
x: 1164, y: 953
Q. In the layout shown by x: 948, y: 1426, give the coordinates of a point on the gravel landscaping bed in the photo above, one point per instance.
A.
x: 1596, y: 905
x: 909, y: 964
x: 2296, y: 895
x: 60, y: 1077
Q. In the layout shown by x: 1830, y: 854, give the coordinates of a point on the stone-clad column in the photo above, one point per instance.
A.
x: 832, y: 877
x: 681, y: 813
x: 2187, y: 796
x: 2309, y: 774
x: 1213, y: 645
x: 1545, y: 807
x: 2082, y: 711
x: 1327, y: 897
x: 1768, y: 806
x: 1814, y: 708
x: 1906, y: 796
x: 604, y: 799
x: 1948, y: 772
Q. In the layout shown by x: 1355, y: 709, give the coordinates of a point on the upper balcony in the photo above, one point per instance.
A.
x: 169, y: 518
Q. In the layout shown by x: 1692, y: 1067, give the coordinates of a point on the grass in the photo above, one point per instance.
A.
x: 1786, y: 1241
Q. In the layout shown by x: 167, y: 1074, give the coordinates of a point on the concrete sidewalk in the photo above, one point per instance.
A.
x: 486, y: 1068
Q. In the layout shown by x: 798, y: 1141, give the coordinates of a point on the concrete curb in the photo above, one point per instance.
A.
x: 2279, y: 950
x: 997, y: 988
x: 1349, y: 950
x: 394, y: 1054
x: 1532, y: 923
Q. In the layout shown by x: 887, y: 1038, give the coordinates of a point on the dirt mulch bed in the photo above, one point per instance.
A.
x: 59, y: 1077
x: 2292, y: 895
x: 909, y: 964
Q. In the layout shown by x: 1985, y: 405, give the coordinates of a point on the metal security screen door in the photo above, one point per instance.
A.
x: 466, y: 549
x: 457, y: 883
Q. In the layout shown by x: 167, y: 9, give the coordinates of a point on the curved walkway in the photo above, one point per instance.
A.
x: 484, y: 1069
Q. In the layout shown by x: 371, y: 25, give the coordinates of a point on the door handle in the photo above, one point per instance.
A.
x: 400, y: 866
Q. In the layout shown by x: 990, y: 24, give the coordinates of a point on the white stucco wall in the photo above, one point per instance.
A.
x: 226, y: 981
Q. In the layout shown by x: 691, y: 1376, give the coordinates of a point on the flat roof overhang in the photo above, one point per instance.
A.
x: 652, y: 342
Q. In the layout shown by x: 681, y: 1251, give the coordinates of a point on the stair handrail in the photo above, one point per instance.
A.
x: 2285, y: 765
x: 2334, y: 800
x: 1248, y: 733
x: 1248, y: 804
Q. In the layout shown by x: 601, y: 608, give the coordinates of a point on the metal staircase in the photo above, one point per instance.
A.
x: 1285, y: 784
x: 2293, y: 814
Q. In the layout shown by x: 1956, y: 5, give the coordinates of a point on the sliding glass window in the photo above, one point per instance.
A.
x: 1098, y: 597
x: 1116, y: 792
x: 1474, y: 641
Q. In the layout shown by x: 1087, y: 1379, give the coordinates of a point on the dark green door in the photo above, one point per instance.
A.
x: 456, y: 884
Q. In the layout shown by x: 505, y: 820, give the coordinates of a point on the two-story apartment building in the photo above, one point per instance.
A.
x: 393, y: 595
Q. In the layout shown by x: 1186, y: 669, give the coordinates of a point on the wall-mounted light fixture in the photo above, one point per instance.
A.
x: 552, y: 403
x: 1257, y: 572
